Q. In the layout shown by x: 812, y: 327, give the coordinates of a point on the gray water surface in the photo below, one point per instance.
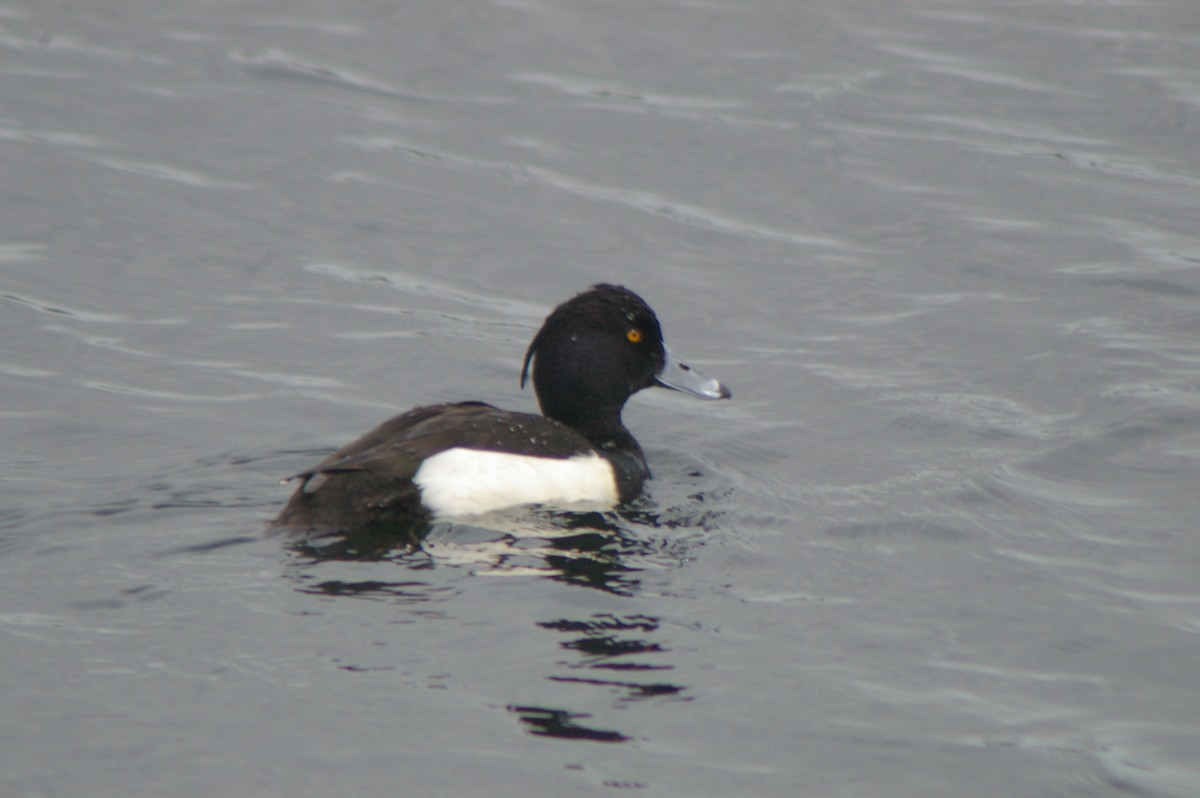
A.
x: 941, y: 543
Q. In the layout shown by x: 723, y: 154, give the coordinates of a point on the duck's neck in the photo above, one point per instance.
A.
x: 614, y: 442
x: 601, y: 428
x: 573, y: 395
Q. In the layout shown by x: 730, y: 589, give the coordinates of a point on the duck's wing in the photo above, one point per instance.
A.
x: 401, y: 444
x: 371, y: 478
x: 399, y: 441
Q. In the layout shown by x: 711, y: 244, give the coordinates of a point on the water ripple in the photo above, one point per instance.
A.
x: 649, y: 202
x: 59, y: 309
x: 278, y: 64
x: 172, y: 174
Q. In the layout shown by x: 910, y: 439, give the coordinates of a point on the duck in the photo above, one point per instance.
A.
x: 466, y: 459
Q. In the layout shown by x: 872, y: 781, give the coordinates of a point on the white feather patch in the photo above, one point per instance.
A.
x: 470, y: 482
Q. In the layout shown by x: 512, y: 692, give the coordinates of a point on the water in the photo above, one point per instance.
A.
x: 940, y: 543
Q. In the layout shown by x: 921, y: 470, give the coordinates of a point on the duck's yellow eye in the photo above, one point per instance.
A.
x: 634, y: 335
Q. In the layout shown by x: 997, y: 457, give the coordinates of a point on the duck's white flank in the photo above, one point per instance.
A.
x: 470, y: 482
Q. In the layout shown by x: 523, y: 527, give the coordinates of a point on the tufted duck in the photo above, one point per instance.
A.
x: 592, y: 353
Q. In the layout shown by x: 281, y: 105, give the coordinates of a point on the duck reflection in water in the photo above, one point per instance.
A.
x: 438, y: 486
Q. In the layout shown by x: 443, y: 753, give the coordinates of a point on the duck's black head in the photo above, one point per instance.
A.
x: 596, y: 350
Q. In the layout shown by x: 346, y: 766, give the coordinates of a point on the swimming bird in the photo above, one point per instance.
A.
x: 462, y: 459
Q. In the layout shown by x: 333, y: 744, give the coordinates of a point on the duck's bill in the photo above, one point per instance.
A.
x: 679, y: 376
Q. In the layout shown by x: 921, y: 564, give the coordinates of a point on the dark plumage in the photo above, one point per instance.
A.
x: 592, y: 353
